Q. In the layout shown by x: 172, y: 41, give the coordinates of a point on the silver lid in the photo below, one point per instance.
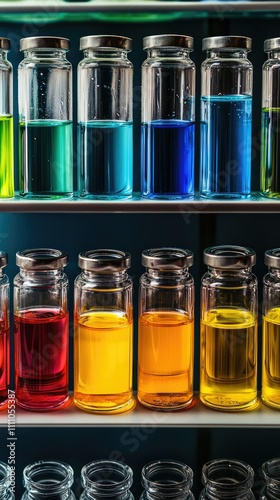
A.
x: 5, y: 43
x: 168, y: 41
x: 227, y: 43
x: 105, y: 42
x: 229, y: 257
x: 271, y: 44
x: 104, y: 260
x: 41, y: 259
x: 44, y: 42
x: 3, y: 259
x: 167, y: 258
x: 272, y: 258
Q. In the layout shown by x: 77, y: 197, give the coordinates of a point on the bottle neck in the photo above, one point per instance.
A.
x: 227, y: 54
x: 274, y: 54
x: 167, y: 273
x: 230, y: 273
x: 177, y: 53
x: 274, y: 273
x: 116, y: 277
x: 3, y: 55
x: 45, y: 54
x: 105, y: 53
x: 47, y: 274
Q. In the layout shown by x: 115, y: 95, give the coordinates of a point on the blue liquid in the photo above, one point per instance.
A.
x: 167, y: 159
x: 105, y: 159
x: 225, y: 146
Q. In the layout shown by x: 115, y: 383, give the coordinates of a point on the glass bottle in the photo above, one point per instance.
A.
x: 226, y: 118
x: 48, y: 479
x: 165, y: 479
x: 45, y: 119
x: 106, y: 478
x: 228, y: 334
x: 271, y: 475
x: 270, y: 135
x: 41, y: 329
x: 166, y: 329
x: 6, y: 478
x: 105, y: 130
x: 6, y: 122
x: 168, y: 118
x: 4, y: 331
x: 103, y: 332
x: 223, y: 478
x: 270, y: 390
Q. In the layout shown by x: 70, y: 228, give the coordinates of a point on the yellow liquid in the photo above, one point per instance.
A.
x: 165, y: 360
x: 270, y: 393
x: 103, y: 362
x: 228, y: 359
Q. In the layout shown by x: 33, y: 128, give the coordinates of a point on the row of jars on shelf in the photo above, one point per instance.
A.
x: 103, y: 330
x: 161, y: 479
x: 105, y: 118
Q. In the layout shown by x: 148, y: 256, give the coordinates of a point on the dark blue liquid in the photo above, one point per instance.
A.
x: 167, y: 159
x: 225, y: 146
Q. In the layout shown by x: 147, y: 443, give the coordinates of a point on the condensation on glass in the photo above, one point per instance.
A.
x: 48, y: 479
x: 165, y: 479
x: 106, y: 479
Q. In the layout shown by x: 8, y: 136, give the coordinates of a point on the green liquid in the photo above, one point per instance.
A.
x: 46, y: 159
x: 6, y: 157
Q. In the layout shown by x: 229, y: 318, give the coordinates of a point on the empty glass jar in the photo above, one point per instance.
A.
x: 167, y: 479
x: 47, y: 480
x: 6, y: 478
x: 106, y: 479
x: 271, y: 476
x: 227, y: 479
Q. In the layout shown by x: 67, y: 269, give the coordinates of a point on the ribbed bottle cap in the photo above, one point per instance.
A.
x: 168, y: 41
x: 5, y: 43
x: 272, y: 258
x: 167, y: 258
x: 41, y: 259
x: 44, y: 42
x: 3, y: 259
x: 227, y: 43
x: 105, y: 42
x: 271, y: 44
x: 229, y: 257
x: 104, y: 260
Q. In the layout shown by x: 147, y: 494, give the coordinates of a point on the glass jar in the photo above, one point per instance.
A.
x: 168, y: 118
x: 105, y: 130
x: 103, y: 332
x: 4, y: 331
x: 166, y: 329
x: 45, y: 119
x: 48, y: 479
x: 270, y: 134
x: 226, y: 118
x: 167, y: 479
x: 5, y: 482
x: 270, y: 391
x: 106, y: 479
x: 228, y: 334
x: 6, y: 122
x: 271, y: 475
x: 41, y: 329
x: 224, y: 478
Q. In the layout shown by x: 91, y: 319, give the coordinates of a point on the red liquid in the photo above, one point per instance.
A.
x: 4, y: 363
x: 41, y: 358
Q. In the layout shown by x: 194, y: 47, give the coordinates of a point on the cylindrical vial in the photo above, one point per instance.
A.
x: 105, y: 114
x: 231, y: 479
x: 226, y: 118
x: 166, y: 479
x: 103, y: 332
x: 228, y: 329
x: 270, y: 389
x: 48, y: 479
x: 6, y: 479
x: 106, y: 479
x: 4, y: 331
x: 6, y: 122
x: 271, y: 476
x: 45, y: 119
x: 168, y: 118
x: 270, y: 134
x: 41, y: 329
x: 166, y: 329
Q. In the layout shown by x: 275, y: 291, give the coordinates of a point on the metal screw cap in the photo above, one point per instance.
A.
x: 44, y: 42
x: 41, y: 259
x: 104, y: 260
x: 105, y: 42
x: 167, y: 258
x: 168, y: 41
x: 229, y: 257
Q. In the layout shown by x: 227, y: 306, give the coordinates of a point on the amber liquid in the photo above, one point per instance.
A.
x: 228, y: 359
x: 103, y: 361
x: 165, y: 360
x: 270, y: 393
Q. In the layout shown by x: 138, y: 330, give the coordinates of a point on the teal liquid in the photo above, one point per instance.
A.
x: 46, y: 159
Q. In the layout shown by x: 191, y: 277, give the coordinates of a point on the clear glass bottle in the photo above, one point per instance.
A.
x: 48, y: 479
x: 166, y: 329
x: 105, y: 114
x: 168, y: 118
x: 223, y: 478
x: 270, y: 134
x: 167, y: 479
x: 270, y: 389
x: 5, y: 482
x: 41, y: 329
x: 228, y: 331
x: 106, y: 479
x: 45, y: 119
x: 6, y: 122
x: 103, y: 332
x: 226, y: 118
x: 4, y: 331
x: 271, y: 476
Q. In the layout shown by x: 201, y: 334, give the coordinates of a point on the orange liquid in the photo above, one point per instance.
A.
x: 165, y: 359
